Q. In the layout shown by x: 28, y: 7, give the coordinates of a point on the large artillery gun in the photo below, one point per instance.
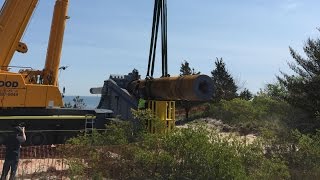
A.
x: 120, y: 93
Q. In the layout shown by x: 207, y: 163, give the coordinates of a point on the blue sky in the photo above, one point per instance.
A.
x: 106, y: 37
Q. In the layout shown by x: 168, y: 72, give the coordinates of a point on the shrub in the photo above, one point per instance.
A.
x: 195, y: 152
x: 301, y: 152
x: 252, y: 116
x: 305, y: 160
x: 232, y: 111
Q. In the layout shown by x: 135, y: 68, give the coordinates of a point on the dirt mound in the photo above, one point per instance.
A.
x: 211, y: 123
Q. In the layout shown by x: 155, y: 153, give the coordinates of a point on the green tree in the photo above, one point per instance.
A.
x: 246, y: 94
x: 186, y: 70
x: 68, y: 105
x: 303, y: 86
x: 275, y: 91
x: 224, y: 85
x: 78, y: 102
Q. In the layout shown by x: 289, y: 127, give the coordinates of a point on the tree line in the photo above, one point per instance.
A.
x: 300, y: 89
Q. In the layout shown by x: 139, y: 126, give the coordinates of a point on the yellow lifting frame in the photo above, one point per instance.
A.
x: 165, y: 111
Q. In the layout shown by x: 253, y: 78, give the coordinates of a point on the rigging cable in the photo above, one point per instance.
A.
x: 159, y: 13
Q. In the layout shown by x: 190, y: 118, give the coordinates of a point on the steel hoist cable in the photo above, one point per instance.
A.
x: 159, y: 15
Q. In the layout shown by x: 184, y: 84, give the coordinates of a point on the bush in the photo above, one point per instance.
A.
x: 305, y: 160
x: 88, y: 154
x: 253, y: 116
x: 301, y: 152
x: 195, y: 152
x: 233, y: 111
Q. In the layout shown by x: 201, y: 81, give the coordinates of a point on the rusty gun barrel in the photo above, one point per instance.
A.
x: 190, y: 87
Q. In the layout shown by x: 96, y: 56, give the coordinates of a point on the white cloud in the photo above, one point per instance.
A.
x: 290, y: 5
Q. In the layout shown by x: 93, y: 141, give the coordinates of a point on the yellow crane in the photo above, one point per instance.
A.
x: 33, y: 96
x: 28, y: 87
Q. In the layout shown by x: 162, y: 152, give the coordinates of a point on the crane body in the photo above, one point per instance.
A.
x: 32, y: 96
x: 30, y: 88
